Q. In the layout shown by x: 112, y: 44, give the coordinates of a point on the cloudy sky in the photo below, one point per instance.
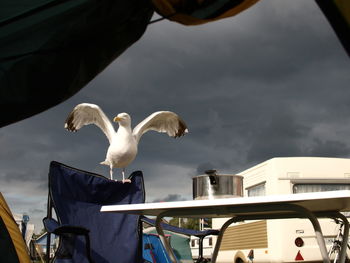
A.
x: 272, y: 81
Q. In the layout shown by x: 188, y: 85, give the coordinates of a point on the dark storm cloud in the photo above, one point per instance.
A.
x: 284, y: 136
x: 329, y: 148
x: 271, y: 81
x: 280, y: 136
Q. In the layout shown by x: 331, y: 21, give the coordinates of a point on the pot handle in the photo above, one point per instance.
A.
x: 212, y: 179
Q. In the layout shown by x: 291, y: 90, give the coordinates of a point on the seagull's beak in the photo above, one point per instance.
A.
x: 116, y: 119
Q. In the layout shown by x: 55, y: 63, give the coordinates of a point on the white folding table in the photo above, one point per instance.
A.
x: 305, y: 205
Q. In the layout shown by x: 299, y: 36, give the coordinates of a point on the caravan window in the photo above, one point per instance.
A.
x: 193, y: 243
x: 307, y: 188
x: 257, y: 190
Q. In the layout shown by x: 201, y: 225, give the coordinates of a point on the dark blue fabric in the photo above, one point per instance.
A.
x: 77, y: 197
x: 185, y: 231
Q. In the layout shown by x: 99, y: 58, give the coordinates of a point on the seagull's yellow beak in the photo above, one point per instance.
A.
x: 116, y: 119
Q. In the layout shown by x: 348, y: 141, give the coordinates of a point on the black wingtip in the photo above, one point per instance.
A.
x: 69, y: 125
x: 182, y: 130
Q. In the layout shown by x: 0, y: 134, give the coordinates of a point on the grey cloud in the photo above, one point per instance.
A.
x: 329, y: 148
x: 36, y: 211
x: 280, y: 137
x: 170, y: 198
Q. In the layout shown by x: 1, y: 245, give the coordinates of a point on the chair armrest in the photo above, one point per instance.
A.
x: 52, y: 226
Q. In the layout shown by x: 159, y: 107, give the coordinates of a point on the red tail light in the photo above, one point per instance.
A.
x: 299, y: 242
x: 299, y: 256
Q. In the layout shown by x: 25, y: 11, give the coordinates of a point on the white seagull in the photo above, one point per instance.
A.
x: 123, y: 143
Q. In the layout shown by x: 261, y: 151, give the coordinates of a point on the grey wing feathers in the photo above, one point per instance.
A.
x: 161, y: 121
x: 85, y: 114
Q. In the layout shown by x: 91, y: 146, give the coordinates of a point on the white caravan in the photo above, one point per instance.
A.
x: 284, y: 240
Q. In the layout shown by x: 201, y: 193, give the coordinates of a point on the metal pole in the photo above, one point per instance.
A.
x: 220, y: 236
x: 163, y: 238
x: 200, y: 252
x: 48, y: 235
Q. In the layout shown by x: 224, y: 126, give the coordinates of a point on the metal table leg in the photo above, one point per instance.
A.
x: 219, y: 239
x: 162, y: 237
x: 305, y: 213
x: 287, y: 207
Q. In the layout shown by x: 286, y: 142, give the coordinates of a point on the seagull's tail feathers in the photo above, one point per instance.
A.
x: 105, y: 162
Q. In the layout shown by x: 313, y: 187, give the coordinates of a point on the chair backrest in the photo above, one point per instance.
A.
x: 77, y: 197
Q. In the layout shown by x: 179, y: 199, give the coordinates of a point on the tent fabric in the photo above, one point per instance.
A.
x: 196, y: 12
x: 77, y: 197
x: 181, y: 247
x: 12, y: 246
x: 338, y: 14
x: 153, y: 249
x: 179, y: 243
x: 50, y: 49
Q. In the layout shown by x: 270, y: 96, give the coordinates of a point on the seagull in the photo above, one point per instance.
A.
x: 123, y: 143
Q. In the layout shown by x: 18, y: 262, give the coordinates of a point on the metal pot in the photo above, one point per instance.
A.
x: 212, y: 185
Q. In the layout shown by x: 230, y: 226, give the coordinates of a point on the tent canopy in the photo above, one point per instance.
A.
x: 50, y: 49
x: 338, y: 14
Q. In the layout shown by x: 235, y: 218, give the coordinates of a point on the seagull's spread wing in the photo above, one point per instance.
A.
x: 86, y: 113
x: 161, y: 121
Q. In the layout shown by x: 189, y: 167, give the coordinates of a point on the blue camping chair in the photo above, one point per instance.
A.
x: 86, y: 234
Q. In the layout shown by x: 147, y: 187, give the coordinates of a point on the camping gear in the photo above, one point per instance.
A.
x: 212, y: 185
x: 86, y: 234
x: 12, y: 246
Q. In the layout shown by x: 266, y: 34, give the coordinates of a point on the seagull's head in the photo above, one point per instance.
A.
x: 123, y: 119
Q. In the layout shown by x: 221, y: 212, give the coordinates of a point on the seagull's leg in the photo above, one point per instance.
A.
x: 125, y: 180
x: 111, y: 172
